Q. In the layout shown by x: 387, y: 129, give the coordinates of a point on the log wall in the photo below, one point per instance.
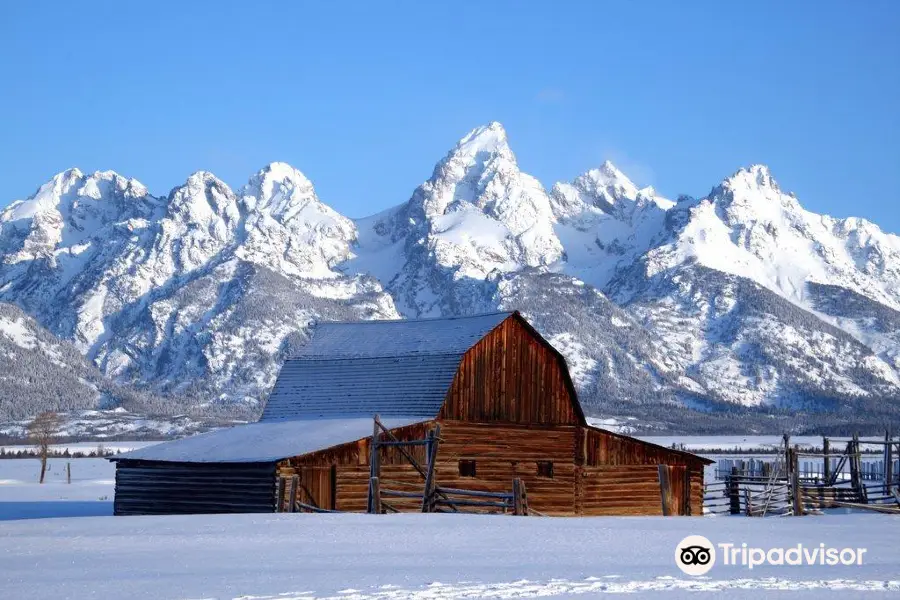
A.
x: 621, y: 490
x: 501, y: 453
x: 594, y: 472
x: 504, y: 452
x: 618, y: 463
x: 165, y: 488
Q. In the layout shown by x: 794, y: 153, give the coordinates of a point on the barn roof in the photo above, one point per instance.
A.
x: 390, y: 368
x: 263, y: 442
x: 399, y: 337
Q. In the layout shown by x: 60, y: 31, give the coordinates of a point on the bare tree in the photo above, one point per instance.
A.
x: 42, y: 430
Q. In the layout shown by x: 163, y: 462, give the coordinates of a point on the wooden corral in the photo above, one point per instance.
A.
x: 780, y: 487
x: 507, y: 411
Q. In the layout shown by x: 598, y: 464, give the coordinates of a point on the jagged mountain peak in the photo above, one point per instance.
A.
x: 68, y: 187
x: 490, y: 139
x: 755, y: 177
x: 202, y: 179
x: 476, y: 158
x: 606, y: 189
x: 751, y: 194
x: 280, y: 173
x: 103, y: 184
x: 607, y: 172
x: 67, y: 175
x: 202, y: 198
x: 279, y: 188
x: 288, y: 229
x: 606, y: 184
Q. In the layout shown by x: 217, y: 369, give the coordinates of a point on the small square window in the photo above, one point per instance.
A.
x: 545, y: 469
x: 467, y: 468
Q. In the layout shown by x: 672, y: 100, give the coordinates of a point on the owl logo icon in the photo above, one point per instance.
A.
x: 695, y: 555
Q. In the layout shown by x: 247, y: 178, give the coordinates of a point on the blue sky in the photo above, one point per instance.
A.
x: 365, y: 97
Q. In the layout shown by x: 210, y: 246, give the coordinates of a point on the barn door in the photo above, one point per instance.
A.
x: 317, y: 487
x: 675, y: 489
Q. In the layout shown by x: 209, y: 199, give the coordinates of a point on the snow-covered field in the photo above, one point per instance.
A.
x: 390, y: 557
x: 387, y: 557
x: 83, y: 447
x: 117, y: 423
x: 89, y: 494
x: 727, y: 443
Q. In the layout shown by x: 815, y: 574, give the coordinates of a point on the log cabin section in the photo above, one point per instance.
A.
x: 501, y: 393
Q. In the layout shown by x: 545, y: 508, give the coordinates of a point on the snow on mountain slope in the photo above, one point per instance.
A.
x: 477, y: 215
x: 741, y: 298
x: 604, y: 221
x: 38, y: 371
x: 195, y: 293
x: 735, y: 285
x: 610, y: 354
x: 749, y: 227
x: 449, y: 251
x: 743, y: 344
x: 287, y: 222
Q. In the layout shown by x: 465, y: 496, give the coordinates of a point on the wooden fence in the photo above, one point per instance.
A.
x: 382, y: 498
x: 783, y: 487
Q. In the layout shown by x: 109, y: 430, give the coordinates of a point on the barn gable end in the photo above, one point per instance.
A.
x: 512, y: 375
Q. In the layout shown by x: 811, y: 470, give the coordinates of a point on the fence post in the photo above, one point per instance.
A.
x: 431, y: 450
x: 517, y: 500
x: 279, y: 494
x: 520, y: 499
x: 826, y: 451
x: 797, y: 491
x: 787, y: 446
x: 68, y: 472
x: 292, y: 495
x: 523, y: 495
x: 888, y: 462
x: 734, y: 492
x: 856, y: 468
x: 374, y: 466
x: 665, y: 489
x: 375, y: 494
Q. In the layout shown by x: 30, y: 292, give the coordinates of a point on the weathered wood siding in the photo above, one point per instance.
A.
x: 351, y: 471
x: 501, y: 453
x: 621, y: 490
x: 594, y: 472
x: 512, y: 377
x: 613, y: 464
x: 159, y: 488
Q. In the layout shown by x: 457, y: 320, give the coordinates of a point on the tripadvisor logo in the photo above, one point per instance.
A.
x: 695, y: 555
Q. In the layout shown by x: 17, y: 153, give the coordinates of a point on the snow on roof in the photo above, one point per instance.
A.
x: 264, y: 441
x: 390, y: 368
x: 401, y: 337
x: 357, y: 387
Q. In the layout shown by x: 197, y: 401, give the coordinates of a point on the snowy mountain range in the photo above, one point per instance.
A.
x: 738, y: 303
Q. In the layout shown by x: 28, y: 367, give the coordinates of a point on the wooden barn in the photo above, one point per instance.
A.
x: 470, y: 407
